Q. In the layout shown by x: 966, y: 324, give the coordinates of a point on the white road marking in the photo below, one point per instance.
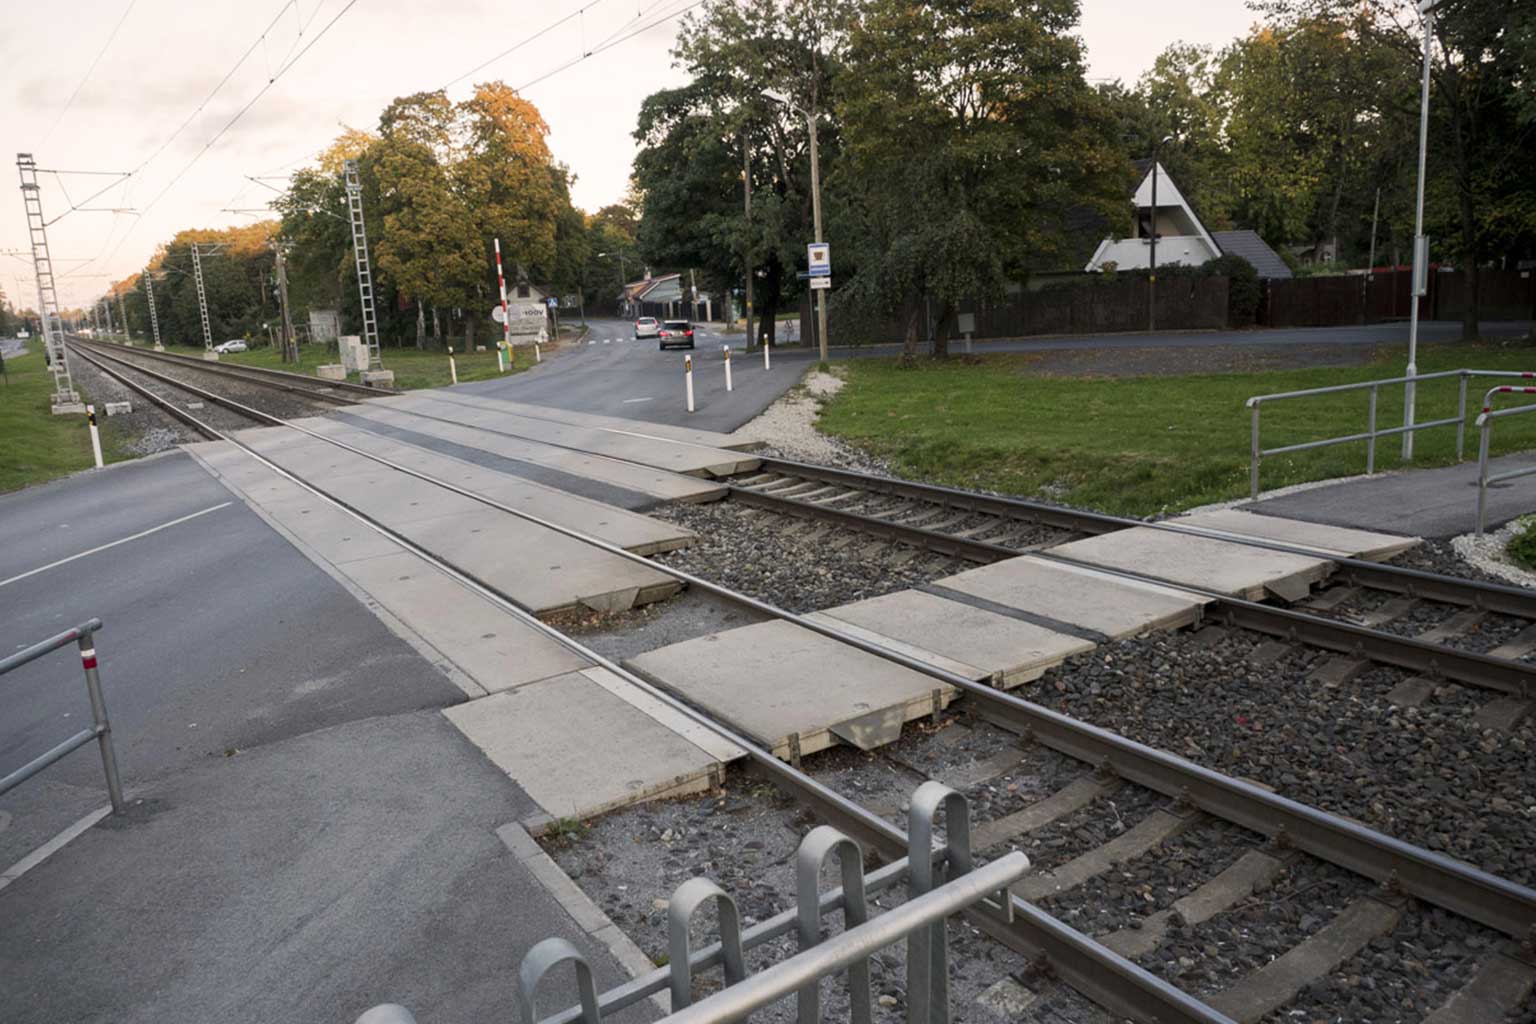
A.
x: 115, y: 543
x: 52, y: 846
x: 631, y: 401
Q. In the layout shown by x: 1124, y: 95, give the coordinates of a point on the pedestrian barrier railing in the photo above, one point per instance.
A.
x: 101, y: 728
x: 1485, y: 429
x: 939, y: 884
x: 1371, y: 433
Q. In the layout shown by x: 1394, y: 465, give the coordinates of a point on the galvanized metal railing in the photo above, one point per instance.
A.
x: 1371, y: 433
x: 939, y: 884
x: 1485, y: 430
x: 101, y: 727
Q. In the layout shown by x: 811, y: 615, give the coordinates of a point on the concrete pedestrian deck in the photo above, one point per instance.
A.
x: 792, y: 690
x: 641, y: 428
x: 631, y: 446
x: 970, y: 641
x: 1235, y: 569
x: 589, y: 741
x: 1437, y: 503
x: 1333, y: 540
x: 1075, y: 600
x: 541, y: 570
x: 663, y: 485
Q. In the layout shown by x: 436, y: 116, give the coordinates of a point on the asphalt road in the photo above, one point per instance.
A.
x: 611, y: 373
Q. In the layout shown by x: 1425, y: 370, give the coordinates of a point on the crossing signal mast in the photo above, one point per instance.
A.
x: 65, y: 398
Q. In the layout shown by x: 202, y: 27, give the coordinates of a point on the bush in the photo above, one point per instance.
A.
x: 1243, y: 288
x: 1522, y: 546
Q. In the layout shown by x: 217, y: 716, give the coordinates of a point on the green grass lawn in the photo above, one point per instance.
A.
x: 1144, y: 445
x: 413, y: 368
x: 38, y: 445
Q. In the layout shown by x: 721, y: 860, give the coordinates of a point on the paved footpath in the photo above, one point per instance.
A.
x: 309, y: 836
x: 1421, y: 502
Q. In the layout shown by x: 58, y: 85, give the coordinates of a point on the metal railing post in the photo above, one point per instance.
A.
x: 1482, y: 473
x: 103, y: 725
x: 1253, y: 453
x: 1461, y: 416
x: 1370, y: 446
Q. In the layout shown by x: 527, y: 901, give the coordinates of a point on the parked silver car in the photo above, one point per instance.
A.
x: 232, y: 345
x: 647, y: 327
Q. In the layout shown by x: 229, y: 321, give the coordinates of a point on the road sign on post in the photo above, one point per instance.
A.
x: 818, y: 258
x: 818, y: 283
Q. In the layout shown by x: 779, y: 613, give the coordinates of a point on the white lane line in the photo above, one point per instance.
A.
x: 115, y: 543
x: 52, y: 846
x: 631, y: 401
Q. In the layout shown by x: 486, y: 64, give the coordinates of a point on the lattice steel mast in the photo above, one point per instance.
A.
x: 364, y: 273
x: 64, y: 393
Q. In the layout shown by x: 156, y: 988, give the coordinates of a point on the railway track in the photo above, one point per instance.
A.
x: 1182, y: 796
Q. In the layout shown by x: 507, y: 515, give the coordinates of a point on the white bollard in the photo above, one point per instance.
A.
x: 501, y: 363
x: 727, y: 367
x: 536, y: 357
x: 767, y: 364
x: 453, y: 371
x: 90, y: 415
x: 688, y: 379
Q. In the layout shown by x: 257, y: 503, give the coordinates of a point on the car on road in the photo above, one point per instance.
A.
x: 22, y: 335
x: 675, y: 332
x: 647, y: 327
x: 232, y: 345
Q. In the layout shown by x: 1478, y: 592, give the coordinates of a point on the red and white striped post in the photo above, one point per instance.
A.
x: 506, y: 322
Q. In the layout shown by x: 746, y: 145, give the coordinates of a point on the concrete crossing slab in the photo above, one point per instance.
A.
x: 660, y: 484
x: 625, y: 528
x: 647, y: 450
x: 689, y: 435
x: 579, y: 744
x: 1074, y: 599
x: 1230, y: 568
x: 793, y: 689
x: 970, y: 641
x: 1335, y: 540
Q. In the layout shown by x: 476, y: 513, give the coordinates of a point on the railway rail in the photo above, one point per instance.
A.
x: 1112, y: 980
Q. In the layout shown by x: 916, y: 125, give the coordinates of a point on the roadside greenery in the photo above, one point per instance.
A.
x: 38, y: 445
x: 413, y: 368
x: 1522, y: 546
x: 1136, y: 445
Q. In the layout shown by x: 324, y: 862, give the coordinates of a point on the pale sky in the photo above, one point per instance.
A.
x: 169, y: 55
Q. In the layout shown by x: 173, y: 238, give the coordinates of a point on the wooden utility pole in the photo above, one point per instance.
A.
x: 290, y: 343
x: 746, y: 180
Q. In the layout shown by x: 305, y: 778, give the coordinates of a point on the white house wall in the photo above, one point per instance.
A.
x: 1136, y: 253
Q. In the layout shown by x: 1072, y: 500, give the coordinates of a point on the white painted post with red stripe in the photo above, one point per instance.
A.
x: 688, y: 379
x: 506, y: 322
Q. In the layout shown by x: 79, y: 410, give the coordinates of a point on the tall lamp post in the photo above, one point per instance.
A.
x: 1420, y: 243
x: 810, y: 120
x: 1152, y: 275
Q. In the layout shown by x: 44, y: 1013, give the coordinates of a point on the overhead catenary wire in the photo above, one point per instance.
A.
x: 609, y: 43
x: 88, y: 72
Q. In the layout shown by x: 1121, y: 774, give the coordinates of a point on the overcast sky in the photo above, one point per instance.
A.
x: 169, y: 55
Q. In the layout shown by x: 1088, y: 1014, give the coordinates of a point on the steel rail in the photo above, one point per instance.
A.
x: 170, y: 408
x: 1432, y: 877
x: 1439, y: 661
x: 1494, y: 597
x: 303, y: 382
x: 1100, y: 974
x: 203, y: 393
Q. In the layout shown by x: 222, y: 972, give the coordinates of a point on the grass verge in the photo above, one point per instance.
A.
x: 38, y: 445
x: 1522, y: 545
x: 1143, y: 445
x: 413, y: 369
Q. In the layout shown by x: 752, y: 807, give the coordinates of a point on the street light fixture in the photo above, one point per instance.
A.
x: 1152, y: 276
x: 810, y: 120
x: 1420, y: 243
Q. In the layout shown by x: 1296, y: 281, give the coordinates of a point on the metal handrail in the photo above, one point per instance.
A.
x: 942, y: 882
x: 1256, y: 453
x: 1485, y: 431
x: 101, y: 727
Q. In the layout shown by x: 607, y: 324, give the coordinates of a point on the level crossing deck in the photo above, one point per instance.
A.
x: 643, y: 428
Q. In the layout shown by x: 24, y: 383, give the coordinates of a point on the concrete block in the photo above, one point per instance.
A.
x: 775, y: 680
x: 1223, y: 566
x: 1335, y: 540
x: 578, y: 749
x: 379, y: 378
x: 353, y: 353
x: 211, y: 356
x: 1079, y: 598
x: 331, y: 371
x: 970, y: 641
x: 69, y: 408
x: 119, y: 408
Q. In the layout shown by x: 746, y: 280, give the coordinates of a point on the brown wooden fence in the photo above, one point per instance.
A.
x: 1386, y: 295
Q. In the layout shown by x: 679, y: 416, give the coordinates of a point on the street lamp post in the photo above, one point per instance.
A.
x: 1152, y: 275
x: 821, y: 293
x: 622, y: 282
x: 1420, y: 244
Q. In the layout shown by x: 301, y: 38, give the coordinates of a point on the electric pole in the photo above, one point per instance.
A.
x: 746, y: 181
x: 122, y: 309
x: 364, y: 271
x: 202, y: 298
x: 65, y: 397
x: 154, y: 317
x: 290, y: 343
